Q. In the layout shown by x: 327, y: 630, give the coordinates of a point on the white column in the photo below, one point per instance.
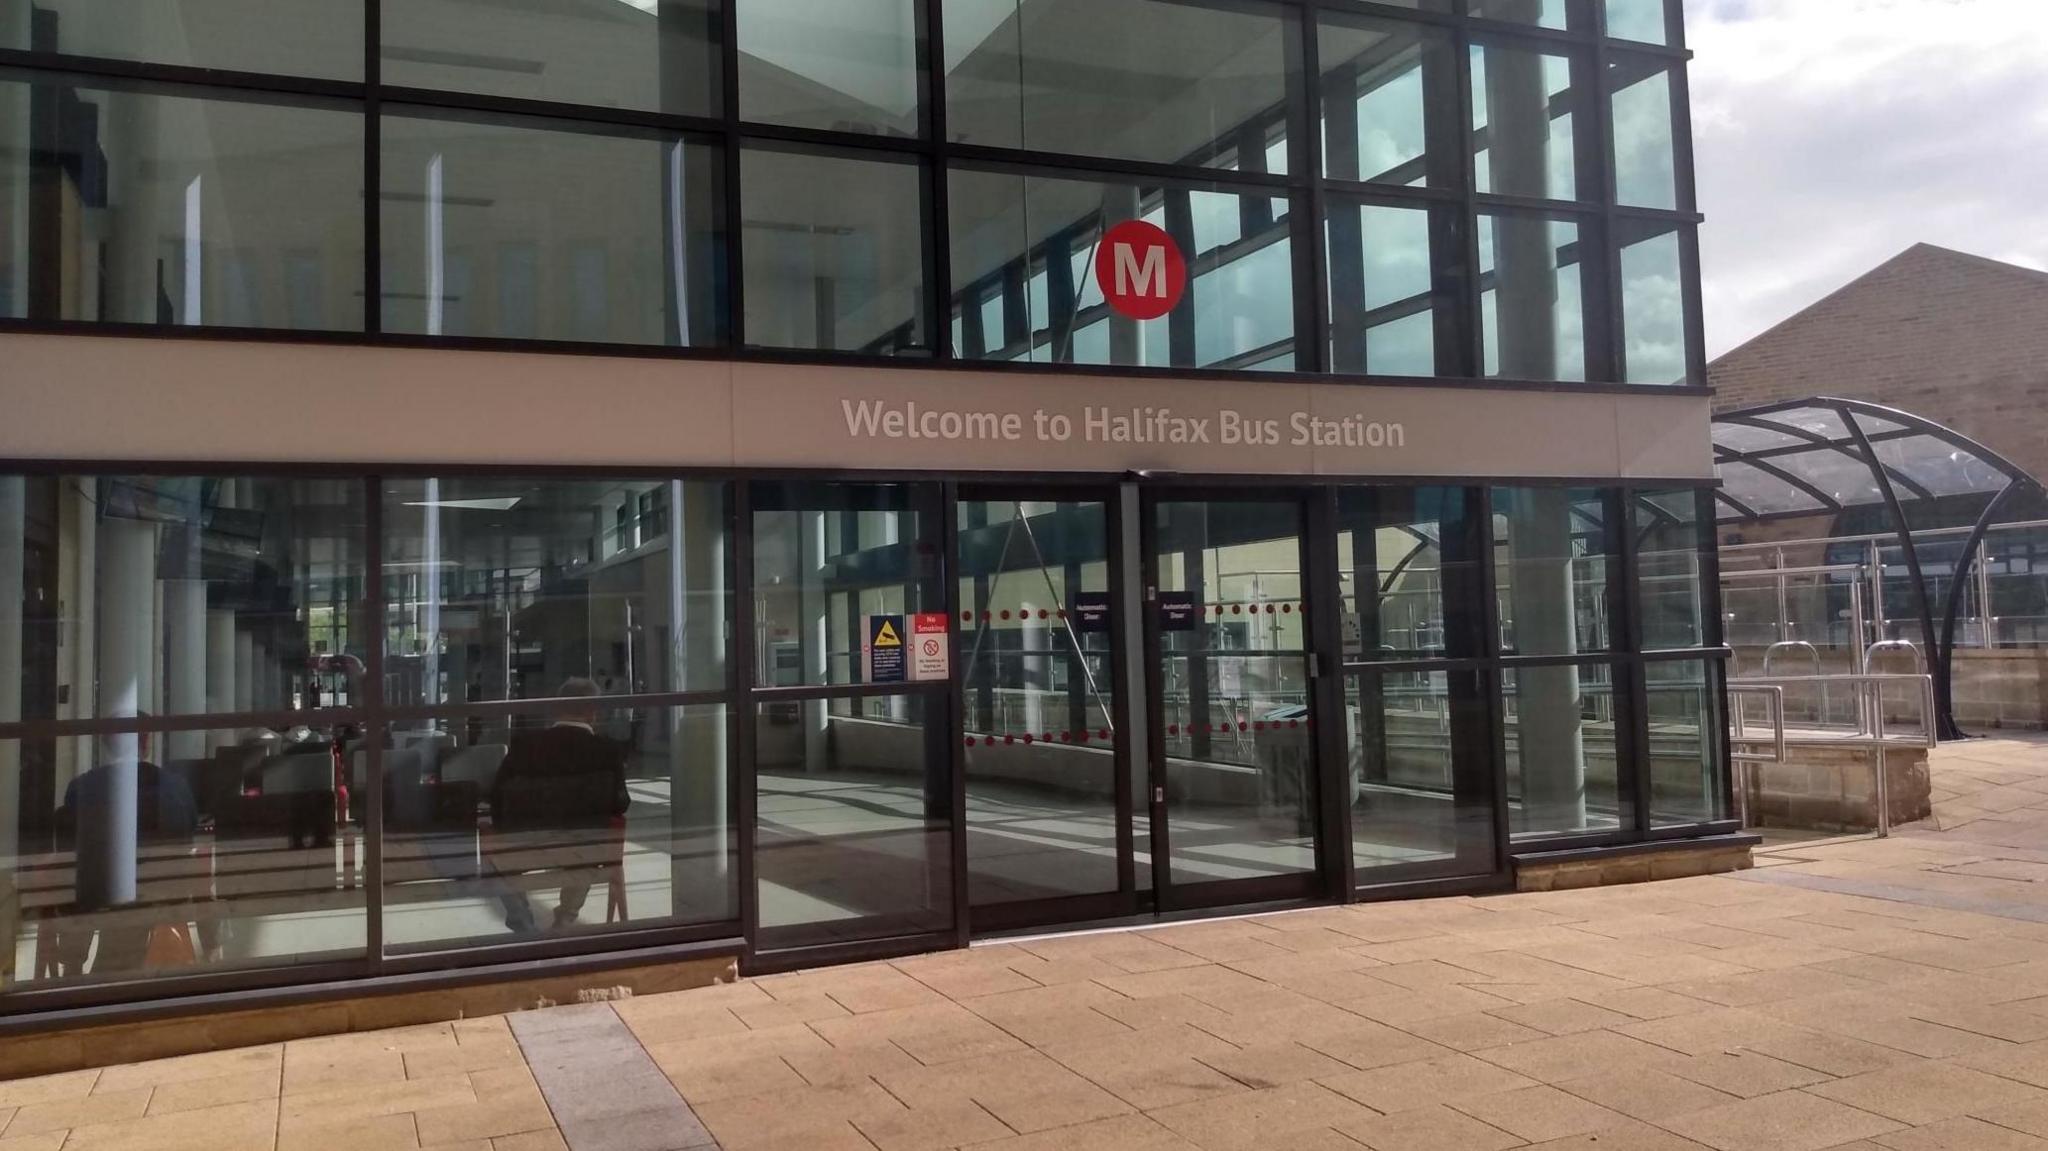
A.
x: 245, y: 670
x: 1548, y: 721
x: 815, y: 618
x: 220, y: 672
x: 13, y: 558
x: 184, y: 666
x: 700, y: 875
x: 107, y: 831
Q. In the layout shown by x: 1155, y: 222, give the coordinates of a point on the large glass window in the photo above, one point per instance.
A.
x: 1654, y: 335
x: 1155, y: 80
x: 502, y: 588
x: 826, y: 559
x: 1394, y: 289
x: 512, y: 230
x: 1688, y: 779
x: 1553, y: 570
x: 1644, y: 20
x: 314, y: 38
x: 1669, y: 565
x: 1024, y: 253
x: 179, y: 596
x: 1645, y: 149
x: 568, y: 820
x: 156, y: 208
x: 1559, y: 14
x: 1389, y: 94
x: 1564, y: 769
x: 135, y: 603
x: 853, y: 792
x: 1409, y: 563
x: 1525, y: 123
x: 834, y: 253
x: 1533, y: 291
x: 843, y: 66
x: 653, y: 55
x: 1419, y: 745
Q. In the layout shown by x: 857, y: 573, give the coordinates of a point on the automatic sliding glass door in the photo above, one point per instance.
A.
x: 1234, y: 765
x: 1049, y: 833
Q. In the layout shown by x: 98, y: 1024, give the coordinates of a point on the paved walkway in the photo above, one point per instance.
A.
x: 1856, y: 995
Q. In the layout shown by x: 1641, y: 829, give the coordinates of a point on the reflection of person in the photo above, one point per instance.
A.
x: 166, y: 815
x: 557, y: 795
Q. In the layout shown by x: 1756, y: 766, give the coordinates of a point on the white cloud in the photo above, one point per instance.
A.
x: 1832, y: 134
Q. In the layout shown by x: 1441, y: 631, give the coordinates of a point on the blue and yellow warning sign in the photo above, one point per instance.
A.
x: 884, y: 649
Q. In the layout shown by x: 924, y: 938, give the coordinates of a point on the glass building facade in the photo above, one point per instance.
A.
x: 382, y: 688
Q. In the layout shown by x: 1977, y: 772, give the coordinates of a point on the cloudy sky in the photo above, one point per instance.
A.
x: 1832, y: 134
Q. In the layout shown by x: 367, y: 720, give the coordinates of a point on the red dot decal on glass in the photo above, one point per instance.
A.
x: 966, y: 617
x: 1173, y: 729
x: 1259, y: 726
x: 988, y: 741
x: 970, y: 741
x: 1006, y: 613
x: 1237, y: 609
x: 1241, y: 725
x: 1293, y: 723
x: 1027, y: 739
x: 1083, y: 737
x: 1048, y: 737
x: 1066, y: 737
x: 1043, y: 614
x: 1009, y: 739
x: 1140, y: 270
x: 1269, y: 609
x: 1063, y: 613
x: 1286, y: 609
x: 1103, y: 734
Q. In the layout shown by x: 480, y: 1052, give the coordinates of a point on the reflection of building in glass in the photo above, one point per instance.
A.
x: 459, y: 451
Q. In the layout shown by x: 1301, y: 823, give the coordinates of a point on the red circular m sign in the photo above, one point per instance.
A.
x: 1140, y: 270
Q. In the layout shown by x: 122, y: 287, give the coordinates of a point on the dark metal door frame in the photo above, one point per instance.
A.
x: 1312, y: 884
x: 1127, y: 899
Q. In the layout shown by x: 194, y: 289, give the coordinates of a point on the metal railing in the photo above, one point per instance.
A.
x: 1872, y: 731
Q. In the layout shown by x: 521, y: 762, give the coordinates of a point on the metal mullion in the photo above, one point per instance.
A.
x: 124, y: 75
x: 835, y: 691
x: 1666, y: 216
x: 1604, y: 299
x: 589, y: 119
x: 1472, y: 289
x: 1493, y: 679
x: 955, y: 719
x: 789, y: 138
x: 1307, y: 214
x: 373, y: 176
x: 1633, y: 752
x: 938, y: 238
x: 555, y: 705
x: 166, y: 724
x: 735, y: 254
x: 1401, y: 666
x: 1506, y: 33
x: 744, y: 731
x: 1320, y: 565
x: 1391, y: 195
x: 1577, y: 211
x: 375, y: 727
x: 1148, y: 172
x: 1384, y: 11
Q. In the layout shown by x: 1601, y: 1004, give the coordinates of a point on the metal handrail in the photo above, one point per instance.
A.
x: 1870, y: 731
x: 1741, y: 759
x: 1784, y: 645
x: 1871, y: 653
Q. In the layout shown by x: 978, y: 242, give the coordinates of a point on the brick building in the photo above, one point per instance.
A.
x: 1954, y: 338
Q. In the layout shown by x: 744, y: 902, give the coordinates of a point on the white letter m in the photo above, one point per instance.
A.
x: 1151, y: 275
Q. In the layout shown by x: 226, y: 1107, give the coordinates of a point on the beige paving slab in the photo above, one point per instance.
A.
x: 1646, y: 1095
x: 1579, y: 1056
x: 376, y: 1133
x: 1786, y: 1121
x: 1121, y: 1133
x: 236, y: 1127
x: 1404, y: 1086
x: 820, y: 1118
x: 1963, y: 1134
x: 1043, y: 1015
x: 64, y: 1114
x: 1432, y: 1128
x: 1629, y: 1136
x: 1026, y: 1090
x: 1562, y: 1016
x: 934, y: 1128
x: 1746, y: 1074
x: 47, y: 1141
x: 1275, y: 1064
x: 1471, y: 1031
x: 1540, y: 1113
x: 931, y: 1033
x: 1261, y: 1120
x: 194, y: 1094
x: 1927, y: 1092
x: 47, y: 1088
x: 1156, y: 1067
x: 207, y: 1065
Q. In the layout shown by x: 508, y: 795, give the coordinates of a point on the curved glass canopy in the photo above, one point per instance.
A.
x: 1826, y: 456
